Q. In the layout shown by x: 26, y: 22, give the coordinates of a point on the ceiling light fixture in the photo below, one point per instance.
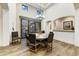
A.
x: 40, y: 14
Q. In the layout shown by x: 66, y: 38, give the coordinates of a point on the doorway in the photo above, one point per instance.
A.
x: 28, y: 25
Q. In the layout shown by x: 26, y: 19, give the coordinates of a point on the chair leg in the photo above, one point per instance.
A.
x: 49, y: 47
x: 35, y: 49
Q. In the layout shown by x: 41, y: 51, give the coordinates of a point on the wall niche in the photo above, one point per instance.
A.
x: 64, y: 23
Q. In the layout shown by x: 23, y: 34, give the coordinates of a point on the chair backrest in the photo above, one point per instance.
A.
x: 32, y: 38
x: 43, y: 31
x: 50, y: 37
x: 14, y: 34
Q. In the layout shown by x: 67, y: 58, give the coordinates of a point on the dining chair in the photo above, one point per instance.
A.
x: 50, y: 41
x: 27, y: 39
x: 43, y: 43
x: 33, y: 44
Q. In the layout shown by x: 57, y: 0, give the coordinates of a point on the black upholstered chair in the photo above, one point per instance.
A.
x: 27, y: 39
x: 32, y: 42
x: 47, y: 42
x: 50, y: 40
x: 15, y: 37
x: 43, y: 31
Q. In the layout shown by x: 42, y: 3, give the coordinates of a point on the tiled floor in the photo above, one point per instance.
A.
x: 59, y: 49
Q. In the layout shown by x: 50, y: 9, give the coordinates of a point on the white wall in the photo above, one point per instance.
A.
x: 4, y: 26
x: 57, y: 11
x: 67, y: 37
x: 1, y: 25
x: 12, y: 15
x: 12, y: 18
x: 77, y: 28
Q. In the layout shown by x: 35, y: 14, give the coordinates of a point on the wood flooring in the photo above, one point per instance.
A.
x: 59, y: 49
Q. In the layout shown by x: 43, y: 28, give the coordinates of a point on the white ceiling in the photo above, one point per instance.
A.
x: 42, y: 6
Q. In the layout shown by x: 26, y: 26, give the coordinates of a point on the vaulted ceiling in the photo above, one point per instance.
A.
x: 42, y: 6
x: 45, y: 6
